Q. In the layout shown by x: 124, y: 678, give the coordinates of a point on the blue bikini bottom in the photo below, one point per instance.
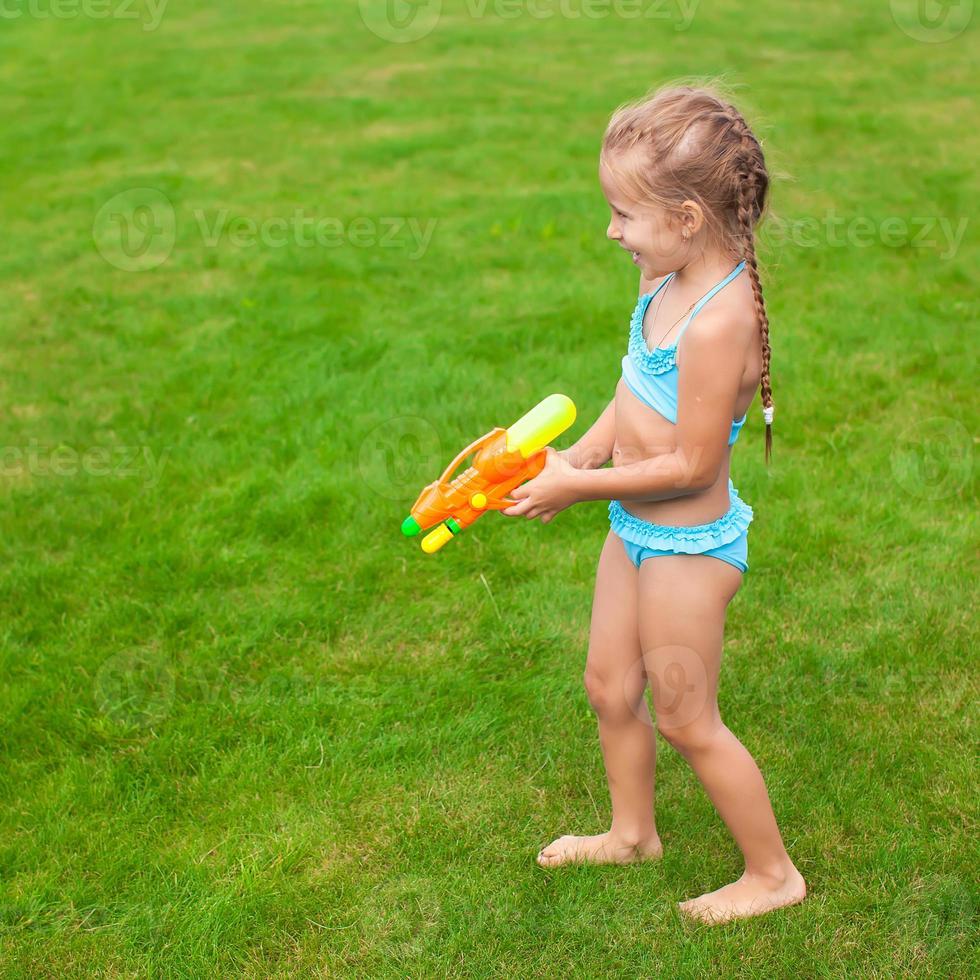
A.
x: 726, y: 538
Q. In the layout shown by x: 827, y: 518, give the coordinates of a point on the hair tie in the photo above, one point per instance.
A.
x: 767, y: 412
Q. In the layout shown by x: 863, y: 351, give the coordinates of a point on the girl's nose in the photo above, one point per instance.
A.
x: 613, y: 232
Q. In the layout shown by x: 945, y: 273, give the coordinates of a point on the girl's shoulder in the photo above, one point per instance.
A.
x: 649, y: 285
x: 731, y: 327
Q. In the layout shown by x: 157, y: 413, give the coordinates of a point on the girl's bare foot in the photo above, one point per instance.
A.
x: 607, y: 848
x: 750, y: 895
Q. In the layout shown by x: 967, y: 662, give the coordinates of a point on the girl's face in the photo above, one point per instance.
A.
x: 656, y: 244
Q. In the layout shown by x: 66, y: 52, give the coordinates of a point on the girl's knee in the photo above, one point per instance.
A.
x: 615, y: 697
x: 694, y: 738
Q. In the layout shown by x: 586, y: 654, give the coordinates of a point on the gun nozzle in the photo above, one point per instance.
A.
x: 410, y: 526
x: 434, y: 540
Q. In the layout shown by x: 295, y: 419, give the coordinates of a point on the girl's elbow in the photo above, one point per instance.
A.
x: 699, y: 483
x: 702, y: 475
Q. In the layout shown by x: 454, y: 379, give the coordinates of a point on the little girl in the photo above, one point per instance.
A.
x: 686, y: 184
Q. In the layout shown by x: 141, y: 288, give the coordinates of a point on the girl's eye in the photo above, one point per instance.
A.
x: 620, y: 213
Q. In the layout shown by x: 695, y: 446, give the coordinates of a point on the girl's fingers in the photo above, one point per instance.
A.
x: 525, y: 509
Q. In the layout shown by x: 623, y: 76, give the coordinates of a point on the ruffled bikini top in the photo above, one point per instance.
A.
x: 652, y: 374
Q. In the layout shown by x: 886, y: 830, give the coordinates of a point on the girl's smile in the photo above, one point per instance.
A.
x: 654, y: 242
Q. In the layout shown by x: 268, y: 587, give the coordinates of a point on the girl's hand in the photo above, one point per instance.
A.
x: 550, y: 492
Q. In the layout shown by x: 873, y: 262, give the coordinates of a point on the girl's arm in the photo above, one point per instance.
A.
x: 708, y: 385
x: 595, y: 448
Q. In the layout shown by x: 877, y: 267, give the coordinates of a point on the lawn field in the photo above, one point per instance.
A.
x: 266, y: 268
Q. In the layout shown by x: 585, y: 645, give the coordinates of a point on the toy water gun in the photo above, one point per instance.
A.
x: 505, y: 458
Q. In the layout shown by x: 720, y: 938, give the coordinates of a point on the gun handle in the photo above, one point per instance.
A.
x: 533, y: 466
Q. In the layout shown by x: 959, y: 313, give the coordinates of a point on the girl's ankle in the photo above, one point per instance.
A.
x: 777, y: 874
x: 635, y: 838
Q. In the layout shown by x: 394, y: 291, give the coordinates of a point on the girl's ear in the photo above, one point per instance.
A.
x: 691, y: 217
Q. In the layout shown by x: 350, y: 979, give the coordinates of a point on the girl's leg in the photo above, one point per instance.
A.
x: 683, y: 599
x: 616, y: 685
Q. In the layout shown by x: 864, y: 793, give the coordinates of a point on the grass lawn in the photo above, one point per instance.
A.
x: 265, y: 271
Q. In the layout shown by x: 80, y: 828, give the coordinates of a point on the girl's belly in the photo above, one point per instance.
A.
x: 642, y: 433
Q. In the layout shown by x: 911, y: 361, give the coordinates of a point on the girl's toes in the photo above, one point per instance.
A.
x: 552, y: 851
x: 697, y: 909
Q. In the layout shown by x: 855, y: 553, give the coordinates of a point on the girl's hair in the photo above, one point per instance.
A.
x: 689, y: 143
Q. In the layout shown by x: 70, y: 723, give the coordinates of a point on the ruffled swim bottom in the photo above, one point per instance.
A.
x: 726, y: 538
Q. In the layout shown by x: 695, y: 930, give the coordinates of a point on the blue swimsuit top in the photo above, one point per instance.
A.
x: 652, y: 374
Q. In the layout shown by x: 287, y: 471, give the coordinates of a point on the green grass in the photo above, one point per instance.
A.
x: 247, y: 728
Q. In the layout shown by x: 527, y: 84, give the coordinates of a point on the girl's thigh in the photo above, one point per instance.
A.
x: 614, y: 667
x: 682, y: 601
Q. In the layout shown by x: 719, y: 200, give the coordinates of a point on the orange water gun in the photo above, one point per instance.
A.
x: 505, y: 458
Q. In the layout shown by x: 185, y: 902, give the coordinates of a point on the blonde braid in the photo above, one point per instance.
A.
x: 752, y: 188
